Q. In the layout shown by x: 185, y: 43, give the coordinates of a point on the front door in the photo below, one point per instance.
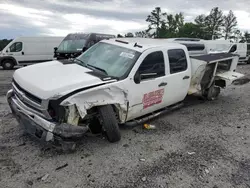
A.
x: 148, y: 95
x: 16, y: 51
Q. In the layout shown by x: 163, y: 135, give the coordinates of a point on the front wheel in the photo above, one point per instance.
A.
x: 109, y: 123
x: 8, y: 64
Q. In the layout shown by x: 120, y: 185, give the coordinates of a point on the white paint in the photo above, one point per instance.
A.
x: 33, y: 49
x: 53, y: 79
x: 106, y: 94
x: 229, y: 77
x: 225, y: 46
x: 50, y: 79
x: 174, y: 82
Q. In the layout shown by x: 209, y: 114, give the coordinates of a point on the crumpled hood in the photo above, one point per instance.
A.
x: 51, y: 79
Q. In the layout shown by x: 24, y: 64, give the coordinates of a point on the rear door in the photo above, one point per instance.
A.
x: 178, y: 75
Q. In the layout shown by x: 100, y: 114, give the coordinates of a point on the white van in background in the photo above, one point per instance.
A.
x: 241, y: 50
x: 28, y: 50
x: 218, y: 46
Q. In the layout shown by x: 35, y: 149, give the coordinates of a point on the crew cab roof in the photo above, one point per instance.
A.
x: 142, y: 44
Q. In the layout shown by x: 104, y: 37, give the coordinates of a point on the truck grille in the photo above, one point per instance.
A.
x: 27, y: 94
x: 29, y: 101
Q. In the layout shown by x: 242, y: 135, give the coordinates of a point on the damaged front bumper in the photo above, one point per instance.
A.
x: 41, y: 128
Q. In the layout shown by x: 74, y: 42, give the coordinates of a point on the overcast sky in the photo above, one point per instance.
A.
x: 60, y: 17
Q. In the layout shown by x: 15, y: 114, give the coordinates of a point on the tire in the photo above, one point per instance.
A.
x: 109, y: 123
x: 248, y: 61
x: 212, y: 93
x: 8, y: 64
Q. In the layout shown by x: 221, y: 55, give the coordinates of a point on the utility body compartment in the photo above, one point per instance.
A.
x: 213, y: 68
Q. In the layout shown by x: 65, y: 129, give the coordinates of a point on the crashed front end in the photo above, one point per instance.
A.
x: 37, y: 118
x: 66, y: 118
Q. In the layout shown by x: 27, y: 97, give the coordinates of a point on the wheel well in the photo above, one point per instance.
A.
x: 94, y: 110
x: 92, y: 119
x: 8, y: 58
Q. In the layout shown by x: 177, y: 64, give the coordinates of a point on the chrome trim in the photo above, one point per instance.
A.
x: 23, y: 100
x: 21, y: 104
x: 22, y: 95
x: 35, y: 118
x: 9, y: 94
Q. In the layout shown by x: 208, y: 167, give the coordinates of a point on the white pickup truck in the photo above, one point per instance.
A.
x: 117, y: 81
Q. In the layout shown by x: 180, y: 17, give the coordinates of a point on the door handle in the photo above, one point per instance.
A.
x: 22, y: 53
x: 162, y: 84
x: 186, y: 77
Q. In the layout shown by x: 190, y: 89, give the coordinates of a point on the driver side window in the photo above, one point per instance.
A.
x: 153, y: 64
x: 16, y: 47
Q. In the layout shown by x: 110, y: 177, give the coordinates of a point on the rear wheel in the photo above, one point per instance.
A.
x: 8, y: 64
x: 109, y: 123
x: 212, y: 92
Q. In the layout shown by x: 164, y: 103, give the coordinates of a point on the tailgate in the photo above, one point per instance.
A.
x: 229, y: 76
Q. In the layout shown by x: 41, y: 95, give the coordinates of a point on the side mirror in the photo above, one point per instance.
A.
x: 137, y: 78
x: 7, y: 51
x: 55, y: 49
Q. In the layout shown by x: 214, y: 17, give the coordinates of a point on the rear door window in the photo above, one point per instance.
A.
x: 177, y: 60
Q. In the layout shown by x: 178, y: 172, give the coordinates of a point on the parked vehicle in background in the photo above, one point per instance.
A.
x: 117, y: 81
x: 219, y: 46
x: 241, y: 50
x: 28, y: 50
x: 194, y: 46
x: 74, y: 44
x: 225, y: 46
x: 248, y: 53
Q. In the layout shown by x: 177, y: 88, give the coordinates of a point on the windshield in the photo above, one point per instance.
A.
x: 113, y: 60
x: 71, y: 45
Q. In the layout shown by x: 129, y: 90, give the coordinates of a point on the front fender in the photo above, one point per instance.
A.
x: 109, y: 95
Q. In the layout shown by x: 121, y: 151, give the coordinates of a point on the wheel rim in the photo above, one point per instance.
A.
x: 8, y: 65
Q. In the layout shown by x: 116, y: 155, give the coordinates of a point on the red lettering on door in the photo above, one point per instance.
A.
x: 152, y: 98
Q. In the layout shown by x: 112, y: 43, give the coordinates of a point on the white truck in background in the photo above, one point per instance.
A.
x: 28, y: 50
x: 116, y: 81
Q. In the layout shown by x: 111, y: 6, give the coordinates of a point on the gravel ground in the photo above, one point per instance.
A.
x: 205, y: 144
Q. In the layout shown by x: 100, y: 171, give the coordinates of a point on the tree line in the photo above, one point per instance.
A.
x: 212, y: 26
